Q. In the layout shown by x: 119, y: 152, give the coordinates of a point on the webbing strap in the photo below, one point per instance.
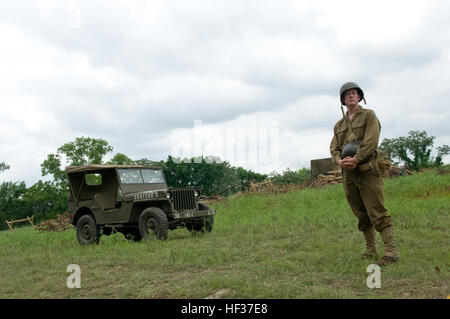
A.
x: 346, y: 119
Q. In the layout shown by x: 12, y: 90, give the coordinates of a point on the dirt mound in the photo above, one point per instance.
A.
x: 61, y: 223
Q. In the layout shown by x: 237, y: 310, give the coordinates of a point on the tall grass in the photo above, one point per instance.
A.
x: 302, y: 244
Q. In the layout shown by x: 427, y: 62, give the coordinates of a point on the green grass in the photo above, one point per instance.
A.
x: 302, y: 244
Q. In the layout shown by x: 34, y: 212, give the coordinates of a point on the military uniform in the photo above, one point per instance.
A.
x: 364, y: 185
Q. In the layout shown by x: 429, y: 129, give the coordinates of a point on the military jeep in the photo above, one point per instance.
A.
x: 133, y: 200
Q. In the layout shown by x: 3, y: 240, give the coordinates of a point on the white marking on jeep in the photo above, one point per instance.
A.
x: 146, y: 195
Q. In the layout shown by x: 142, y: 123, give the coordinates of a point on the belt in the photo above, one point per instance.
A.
x: 364, y: 161
x: 365, y: 166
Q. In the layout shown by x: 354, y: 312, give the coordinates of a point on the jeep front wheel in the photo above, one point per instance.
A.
x: 87, y: 231
x: 153, y: 223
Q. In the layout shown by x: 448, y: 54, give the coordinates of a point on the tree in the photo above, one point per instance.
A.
x: 442, y: 151
x: 3, y: 166
x: 85, y: 151
x: 52, y: 166
x: 82, y: 151
x: 121, y: 159
x: 211, y: 176
x: 12, y: 205
x: 291, y: 177
x: 414, y: 150
x: 248, y: 176
x: 147, y: 162
x: 45, y: 200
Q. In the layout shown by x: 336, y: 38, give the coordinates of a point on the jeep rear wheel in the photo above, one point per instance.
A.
x: 87, y: 231
x: 153, y: 223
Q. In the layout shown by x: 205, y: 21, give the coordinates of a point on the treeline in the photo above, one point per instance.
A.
x: 46, y: 199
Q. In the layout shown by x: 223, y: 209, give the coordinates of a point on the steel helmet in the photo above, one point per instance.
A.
x: 350, y: 149
x: 348, y: 86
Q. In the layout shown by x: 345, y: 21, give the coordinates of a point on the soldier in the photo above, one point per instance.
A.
x: 354, y: 149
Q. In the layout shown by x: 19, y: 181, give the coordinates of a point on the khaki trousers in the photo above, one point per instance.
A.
x: 364, y: 192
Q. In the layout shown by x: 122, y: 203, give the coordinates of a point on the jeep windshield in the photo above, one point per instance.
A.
x: 141, y: 176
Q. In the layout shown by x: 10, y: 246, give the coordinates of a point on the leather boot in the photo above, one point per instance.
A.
x: 390, y: 252
x: 371, y: 246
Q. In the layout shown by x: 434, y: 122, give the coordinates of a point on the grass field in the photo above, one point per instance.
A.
x: 301, y: 244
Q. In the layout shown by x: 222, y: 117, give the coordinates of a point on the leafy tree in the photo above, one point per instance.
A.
x: 52, y: 166
x: 442, y: 151
x: 85, y: 150
x: 45, y: 200
x: 212, y: 177
x: 147, y: 162
x: 121, y: 159
x: 291, y: 177
x: 248, y: 176
x: 12, y: 205
x: 3, y: 166
x: 414, y: 150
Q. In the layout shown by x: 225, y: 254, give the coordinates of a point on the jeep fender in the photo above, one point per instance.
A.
x: 80, y: 212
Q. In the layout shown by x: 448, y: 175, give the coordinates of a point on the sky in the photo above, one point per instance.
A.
x: 255, y: 83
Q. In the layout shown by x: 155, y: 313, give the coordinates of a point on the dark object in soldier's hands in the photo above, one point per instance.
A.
x: 350, y: 149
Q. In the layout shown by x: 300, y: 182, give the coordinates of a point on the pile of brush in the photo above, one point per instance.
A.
x: 61, y: 223
x: 269, y: 187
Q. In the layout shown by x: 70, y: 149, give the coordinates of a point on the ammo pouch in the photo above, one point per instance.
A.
x: 366, y: 166
x: 376, y: 162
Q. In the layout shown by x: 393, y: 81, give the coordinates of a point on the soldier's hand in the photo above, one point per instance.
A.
x: 348, y: 163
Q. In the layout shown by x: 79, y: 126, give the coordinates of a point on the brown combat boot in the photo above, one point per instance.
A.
x: 390, y: 253
x: 371, y: 246
x: 385, y: 260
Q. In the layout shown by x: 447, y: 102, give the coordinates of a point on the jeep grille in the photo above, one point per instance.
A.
x: 183, y: 199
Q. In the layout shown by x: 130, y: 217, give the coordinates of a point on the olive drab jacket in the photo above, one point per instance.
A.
x: 366, y: 127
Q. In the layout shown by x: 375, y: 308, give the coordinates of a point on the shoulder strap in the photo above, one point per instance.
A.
x: 351, y: 137
x: 346, y: 119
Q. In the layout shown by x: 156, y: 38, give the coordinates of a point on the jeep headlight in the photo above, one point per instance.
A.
x: 168, y: 195
x: 196, y: 193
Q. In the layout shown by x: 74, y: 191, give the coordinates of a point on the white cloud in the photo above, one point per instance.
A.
x: 139, y: 73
